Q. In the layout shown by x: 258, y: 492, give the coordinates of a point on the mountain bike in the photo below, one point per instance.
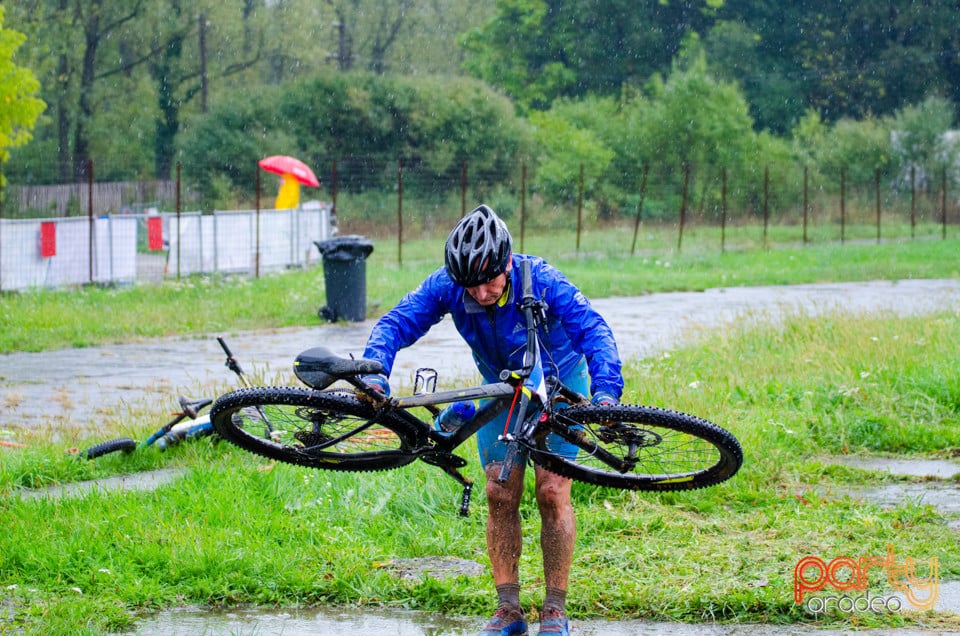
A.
x: 356, y: 428
x: 185, y: 424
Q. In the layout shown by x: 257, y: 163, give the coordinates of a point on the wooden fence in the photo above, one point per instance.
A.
x: 73, y: 199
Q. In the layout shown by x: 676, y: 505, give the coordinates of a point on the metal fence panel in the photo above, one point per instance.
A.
x: 226, y: 241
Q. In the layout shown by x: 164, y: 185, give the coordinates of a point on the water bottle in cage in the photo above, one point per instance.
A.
x: 455, y: 415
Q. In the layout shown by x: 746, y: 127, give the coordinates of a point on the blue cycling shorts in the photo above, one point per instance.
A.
x: 494, y: 450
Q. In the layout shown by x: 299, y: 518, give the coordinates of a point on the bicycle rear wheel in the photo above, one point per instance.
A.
x: 639, y: 448
x: 332, y: 430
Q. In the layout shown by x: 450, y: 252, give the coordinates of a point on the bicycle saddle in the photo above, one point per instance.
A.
x: 319, y: 367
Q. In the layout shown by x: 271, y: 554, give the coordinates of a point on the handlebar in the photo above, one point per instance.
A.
x: 232, y: 363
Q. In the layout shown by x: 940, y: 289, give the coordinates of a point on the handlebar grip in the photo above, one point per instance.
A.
x: 223, y: 345
x: 509, y: 461
x: 526, y: 279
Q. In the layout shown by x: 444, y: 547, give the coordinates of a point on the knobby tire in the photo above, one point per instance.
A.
x: 671, y: 450
x: 123, y: 444
x: 330, y: 430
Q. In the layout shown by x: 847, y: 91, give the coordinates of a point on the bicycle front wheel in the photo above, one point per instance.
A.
x: 332, y: 430
x: 123, y: 444
x: 638, y: 448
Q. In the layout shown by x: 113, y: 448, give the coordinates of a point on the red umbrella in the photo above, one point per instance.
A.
x: 282, y: 164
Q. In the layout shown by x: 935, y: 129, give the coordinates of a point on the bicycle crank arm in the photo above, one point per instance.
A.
x: 465, y: 500
x: 467, y: 488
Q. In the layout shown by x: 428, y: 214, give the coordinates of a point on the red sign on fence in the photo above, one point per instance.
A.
x: 48, y: 239
x: 155, y: 233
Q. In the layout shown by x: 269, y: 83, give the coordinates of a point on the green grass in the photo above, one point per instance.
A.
x: 235, y: 529
x: 238, y: 530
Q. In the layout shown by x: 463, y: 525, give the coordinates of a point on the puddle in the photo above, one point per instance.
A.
x: 938, y: 468
x: 195, y: 622
x: 145, y: 481
x: 944, y: 497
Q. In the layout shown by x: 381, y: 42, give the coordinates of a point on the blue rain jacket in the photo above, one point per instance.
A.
x: 497, y: 334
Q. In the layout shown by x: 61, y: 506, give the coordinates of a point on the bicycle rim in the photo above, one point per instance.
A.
x: 330, y: 430
x: 639, y: 448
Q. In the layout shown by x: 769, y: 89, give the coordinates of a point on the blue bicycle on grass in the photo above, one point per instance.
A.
x: 186, y: 424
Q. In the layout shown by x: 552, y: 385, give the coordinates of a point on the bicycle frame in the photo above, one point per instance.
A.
x: 184, y: 424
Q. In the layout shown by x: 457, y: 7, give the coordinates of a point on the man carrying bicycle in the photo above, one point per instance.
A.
x: 479, y: 286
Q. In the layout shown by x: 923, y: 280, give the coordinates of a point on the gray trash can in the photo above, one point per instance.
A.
x: 345, y: 275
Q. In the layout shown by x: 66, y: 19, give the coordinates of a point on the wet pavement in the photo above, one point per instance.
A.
x: 82, y: 387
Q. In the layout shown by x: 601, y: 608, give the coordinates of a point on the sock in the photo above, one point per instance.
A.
x: 556, y: 598
x: 508, y: 595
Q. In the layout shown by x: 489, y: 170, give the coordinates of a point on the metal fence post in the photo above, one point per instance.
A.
x: 463, y: 188
x: 723, y: 209
x: 913, y: 202
x: 843, y: 205
x: 876, y: 178
x: 943, y: 203
x: 766, y: 204
x: 636, y: 222
x: 806, y: 206
x: 179, y: 231
x: 683, y: 204
x: 256, y: 249
x: 523, y: 202
x: 90, y: 212
x: 579, y: 208
x: 400, y: 212
x: 333, y: 189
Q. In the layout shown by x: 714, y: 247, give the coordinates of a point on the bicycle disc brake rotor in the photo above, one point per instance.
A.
x: 628, y: 435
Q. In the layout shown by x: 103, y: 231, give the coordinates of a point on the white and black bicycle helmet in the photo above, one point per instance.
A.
x: 478, y: 248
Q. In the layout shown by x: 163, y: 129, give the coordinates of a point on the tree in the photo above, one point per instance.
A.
x: 99, y: 20
x: 919, y: 141
x: 179, y: 66
x: 19, y: 107
x: 538, y: 50
x: 563, y: 148
x: 367, y: 30
x: 695, y: 119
